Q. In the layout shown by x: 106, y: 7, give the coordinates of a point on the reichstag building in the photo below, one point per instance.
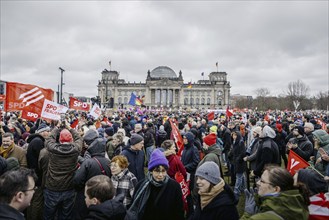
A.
x: 163, y: 88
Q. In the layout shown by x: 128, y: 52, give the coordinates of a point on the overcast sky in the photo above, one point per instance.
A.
x: 260, y: 44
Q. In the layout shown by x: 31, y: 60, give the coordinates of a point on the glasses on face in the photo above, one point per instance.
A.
x: 33, y: 189
x: 264, y: 182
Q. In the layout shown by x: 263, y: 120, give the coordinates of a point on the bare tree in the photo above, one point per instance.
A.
x: 262, y: 92
x: 298, y: 90
x: 297, y: 93
x: 322, y: 100
x: 261, y: 98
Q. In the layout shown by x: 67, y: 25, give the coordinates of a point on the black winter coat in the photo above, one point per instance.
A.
x: 221, y: 207
x: 8, y: 212
x: 136, y: 161
x: 267, y: 153
x: 90, y: 168
x: 108, y: 210
x: 149, y: 138
x: 227, y: 140
x: 305, y: 148
x: 35, y: 144
x: 164, y: 202
x: 239, y: 152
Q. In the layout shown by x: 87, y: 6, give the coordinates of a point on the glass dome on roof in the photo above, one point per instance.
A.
x: 164, y: 72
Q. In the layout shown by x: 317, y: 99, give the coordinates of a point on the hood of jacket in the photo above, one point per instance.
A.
x: 190, y: 139
x: 322, y: 136
x: 97, y: 147
x: 90, y: 136
x: 162, y: 133
x: 238, y: 137
x: 289, y: 205
x: 32, y: 136
x: 268, y: 132
x: 213, y: 149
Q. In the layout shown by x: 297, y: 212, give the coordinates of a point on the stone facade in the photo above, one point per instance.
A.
x: 163, y: 88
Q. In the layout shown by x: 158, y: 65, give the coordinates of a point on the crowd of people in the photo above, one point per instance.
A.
x: 129, y: 165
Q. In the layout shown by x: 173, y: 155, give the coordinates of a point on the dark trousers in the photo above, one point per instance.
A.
x: 58, y: 202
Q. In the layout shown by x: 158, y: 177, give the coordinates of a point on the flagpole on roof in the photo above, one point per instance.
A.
x: 217, y: 66
x: 110, y: 65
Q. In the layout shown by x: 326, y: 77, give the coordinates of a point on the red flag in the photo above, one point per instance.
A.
x: 177, y: 137
x: 30, y: 115
x: 211, y: 116
x: 75, y: 123
x: 228, y: 112
x: 78, y: 105
x: 295, y: 163
x: 29, y: 97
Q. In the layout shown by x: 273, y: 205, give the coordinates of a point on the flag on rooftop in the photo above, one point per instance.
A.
x: 189, y: 86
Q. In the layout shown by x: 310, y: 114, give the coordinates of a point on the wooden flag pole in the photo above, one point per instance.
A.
x: 313, y: 168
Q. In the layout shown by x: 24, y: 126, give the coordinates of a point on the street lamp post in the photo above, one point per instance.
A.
x: 61, y: 91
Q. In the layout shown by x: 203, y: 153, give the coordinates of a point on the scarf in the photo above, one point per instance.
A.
x: 207, y: 197
x: 4, y: 152
x: 143, y: 194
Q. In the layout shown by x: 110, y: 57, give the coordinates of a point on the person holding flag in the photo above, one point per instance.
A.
x: 303, y: 147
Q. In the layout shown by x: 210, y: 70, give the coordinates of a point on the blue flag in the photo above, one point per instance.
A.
x: 132, y: 100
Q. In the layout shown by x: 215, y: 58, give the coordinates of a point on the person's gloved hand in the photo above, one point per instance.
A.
x: 250, y: 204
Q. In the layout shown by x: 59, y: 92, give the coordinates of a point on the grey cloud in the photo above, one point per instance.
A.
x: 257, y: 43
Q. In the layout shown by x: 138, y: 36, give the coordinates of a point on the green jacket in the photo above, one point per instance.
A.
x: 289, y: 205
x: 323, y: 138
x: 211, y: 154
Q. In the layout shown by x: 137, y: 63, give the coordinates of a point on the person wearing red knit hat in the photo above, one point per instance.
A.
x: 65, y: 136
x: 59, y: 193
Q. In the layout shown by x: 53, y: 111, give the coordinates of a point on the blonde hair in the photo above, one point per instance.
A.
x: 121, y: 160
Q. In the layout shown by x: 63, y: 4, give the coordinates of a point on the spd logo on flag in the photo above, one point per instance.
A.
x: 52, y: 110
x: 78, y: 105
x: 96, y: 111
x: 21, y: 96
